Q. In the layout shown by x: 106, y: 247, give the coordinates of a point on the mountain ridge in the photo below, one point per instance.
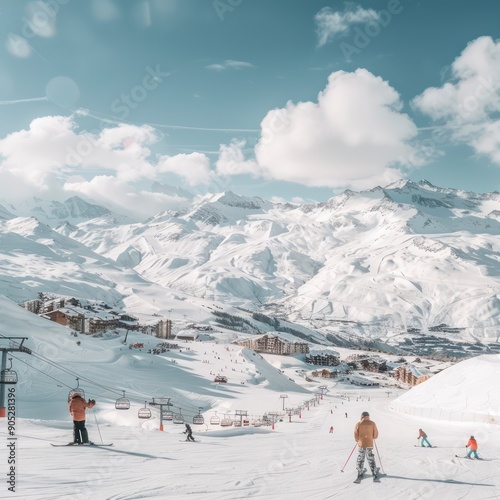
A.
x: 405, y: 256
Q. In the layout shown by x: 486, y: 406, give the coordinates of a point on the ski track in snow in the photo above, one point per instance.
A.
x: 296, y: 460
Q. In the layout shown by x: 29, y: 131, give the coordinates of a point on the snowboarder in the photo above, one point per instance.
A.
x: 423, y: 435
x: 189, y: 433
x: 364, y: 433
x: 77, y: 406
x: 472, y: 445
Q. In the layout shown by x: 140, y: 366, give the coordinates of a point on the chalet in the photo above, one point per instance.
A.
x: 367, y: 362
x: 323, y: 357
x: 411, y: 374
x: 71, y: 318
x: 275, y: 343
x: 324, y: 373
x: 358, y: 380
x: 83, y: 320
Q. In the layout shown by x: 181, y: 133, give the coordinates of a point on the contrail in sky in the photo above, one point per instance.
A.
x: 18, y: 101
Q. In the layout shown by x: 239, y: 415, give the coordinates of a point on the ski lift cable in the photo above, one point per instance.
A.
x: 74, y: 374
x: 56, y: 365
x: 189, y: 409
x: 42, y: 372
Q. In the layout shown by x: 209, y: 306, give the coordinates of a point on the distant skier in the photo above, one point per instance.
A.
x: 422, y: 435
x: 189, y: 433
x: 331, y: 429
x: 364, y: 433
x: 346, y: 415
x: 77, y: 406
x: 472, y: 445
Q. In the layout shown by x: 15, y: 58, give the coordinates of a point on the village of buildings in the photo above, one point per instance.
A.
x: 360, y: 369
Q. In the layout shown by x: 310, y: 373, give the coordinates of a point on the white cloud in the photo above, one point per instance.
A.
x: 231, y: 160
x: 330, y: 23
x: 194, y: 168
x: 52, y: 158
x: 355, y: 135
x: 229, y: 64
x: 469, y: 103
x: 123, y: 197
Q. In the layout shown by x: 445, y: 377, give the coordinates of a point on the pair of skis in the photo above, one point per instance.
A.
x: 80, y: 445
x: 470, y: 458
x: 376, y: 476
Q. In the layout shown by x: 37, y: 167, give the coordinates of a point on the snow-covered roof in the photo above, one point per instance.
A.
x: 323, y: 351
x: 419, y: 371
x: 286, y: 337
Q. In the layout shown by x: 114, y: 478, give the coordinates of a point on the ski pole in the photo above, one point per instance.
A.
x: 96, y: 423
x: 350, y: 455
x: 378, y: 455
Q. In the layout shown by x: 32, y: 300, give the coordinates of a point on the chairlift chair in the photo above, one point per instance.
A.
x: 257, y: 423
x: 178, y: 419
x: 226, y: 422
x: 76, y: 390
x: 167, y: 415
x: 215, y: 420
x: 144, y: 412
x: 198, y: 419
x: 8, y: 376
x: 122, y: 403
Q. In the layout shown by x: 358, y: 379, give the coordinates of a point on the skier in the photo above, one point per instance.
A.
x: 189, y: 433
x: 472, y: 445
x: 364, y: 433
x: 423, y: 435
x: 77, y: 406
x: 331, y: 429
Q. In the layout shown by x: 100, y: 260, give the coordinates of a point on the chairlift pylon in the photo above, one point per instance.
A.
x: 144, y: 412
x: 122, y: 403
x: 76, y: 390
x: 8, y: 376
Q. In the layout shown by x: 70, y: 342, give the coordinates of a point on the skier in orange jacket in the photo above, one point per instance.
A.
x: 76, y: 407
x: 365, y: 433
x: 422, y: 435
x: 472, y: 445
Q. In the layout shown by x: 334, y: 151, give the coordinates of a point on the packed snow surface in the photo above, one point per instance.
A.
x: 295, y: 460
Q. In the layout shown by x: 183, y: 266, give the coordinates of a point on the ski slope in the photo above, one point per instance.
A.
x: 295, y: 460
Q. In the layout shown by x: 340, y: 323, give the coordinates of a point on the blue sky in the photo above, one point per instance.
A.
x: 290, y: 99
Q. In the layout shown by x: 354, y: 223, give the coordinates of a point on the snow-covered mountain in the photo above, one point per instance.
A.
x: 407, y: 256
x: 72, y: 210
